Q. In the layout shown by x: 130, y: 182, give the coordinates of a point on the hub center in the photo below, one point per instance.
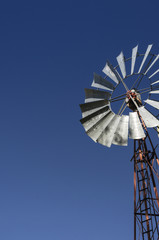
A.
x: 133, y: 94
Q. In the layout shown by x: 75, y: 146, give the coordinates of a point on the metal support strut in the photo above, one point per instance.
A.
x: 146, y: 200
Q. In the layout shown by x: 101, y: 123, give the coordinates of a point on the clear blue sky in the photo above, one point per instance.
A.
x: 55, y: 183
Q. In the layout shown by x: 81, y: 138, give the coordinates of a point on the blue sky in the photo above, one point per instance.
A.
x: 55, y: 183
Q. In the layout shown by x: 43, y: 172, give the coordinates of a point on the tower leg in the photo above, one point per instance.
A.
x: 146, y: 200
x: 134, y: 191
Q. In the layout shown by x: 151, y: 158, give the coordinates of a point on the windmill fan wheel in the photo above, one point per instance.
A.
x: 136, y: 75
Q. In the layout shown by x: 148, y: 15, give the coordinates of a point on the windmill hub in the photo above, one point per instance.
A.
x: 133, y: 94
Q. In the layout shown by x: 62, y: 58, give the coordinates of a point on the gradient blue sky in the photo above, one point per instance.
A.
x: 55, y: 183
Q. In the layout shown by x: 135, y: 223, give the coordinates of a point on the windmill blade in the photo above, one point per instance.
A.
x: 111, y: 72
x: 91, y: 107
x: 121, y: 62
x: 92, y: 95
x: 133, y: 60
x: 153, y: 103
x: 97, y: 129
x: 155, y: 82
x: 145, y: 57
x: 115, y: 72
x: 149, y: 119
x: 154, y: 73
x: 156, y: 58
x: 154, y: 92
x: 107, y: 135
x: 102, y: 83
x: 121, y: 134
x: 93, y: 118
x: 135, y: 128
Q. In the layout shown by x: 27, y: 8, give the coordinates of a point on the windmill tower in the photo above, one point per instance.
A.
x: 114, y: 110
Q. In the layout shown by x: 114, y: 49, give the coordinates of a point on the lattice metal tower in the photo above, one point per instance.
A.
x: 106, y: 127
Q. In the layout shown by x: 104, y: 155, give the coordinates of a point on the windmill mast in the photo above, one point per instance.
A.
x: 146, y: 198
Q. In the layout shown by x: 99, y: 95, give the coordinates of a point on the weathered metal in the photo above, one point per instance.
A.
x: 155, y: 82
x: 92, y: 95
x: 93, y: 118
x: 111, y: 72
x: 156, y: 58
x: 149, y: 119
x: 107, y: 135
x: 121, y: 62
x: 135, y: 128
x: 96, y: 130
x: 133, y: 59
x: 153, y: 103
x: 153, y: 74
x: 102, y: 83
x: 91, y: 107
x: 145, y: 57
x: 121, y: 133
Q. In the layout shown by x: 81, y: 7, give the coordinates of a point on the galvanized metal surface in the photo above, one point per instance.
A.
x: 121, y: 133
x: 133, y: 60
x: 97, y: 129
x: 155, y: 82
x: 85, y: 114
x: 154, y: 92
x: 108, y: 70
x: 102, y: 83
x: 145, y: 57
x: 92, y: 95
x: 115, y: 72
x: 135, y: 128
x: 91, y: 107
x: 153, y: 103
x: 100, y: 123
x: 121, y: 62
x: 92, y: 119
x: 149, y: 119
x: 107, y: 135
x: 156, y: 58
x: 154, y: 73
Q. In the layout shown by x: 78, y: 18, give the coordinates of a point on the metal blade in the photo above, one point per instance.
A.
x: 102, y: 83
x: 95, y: 131
x: 121, y: 134
x: 149, y: 119
x: 115, y: 72
x: 91, y: 107
x: 145, y: 56
x: 156, y: 58
x: 92, y: 95
x: 154, y: 73
x: 155, y: 82
x: 153, y: 103
x: 92, y: 119
x: 135, y: 128
x: 133, y: 60
x: 154, y: 92
x: 109, y: 71
x: 121, y: 62
x: 107, y: 135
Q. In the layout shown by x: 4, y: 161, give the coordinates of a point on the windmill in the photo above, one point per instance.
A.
x: 123, y: 104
